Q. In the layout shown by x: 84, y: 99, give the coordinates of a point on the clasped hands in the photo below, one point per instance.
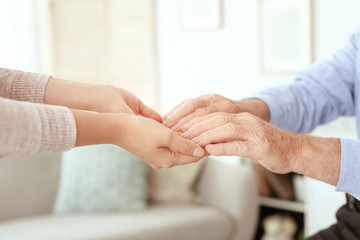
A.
x: 226, y: 127
x: 222, y: 127
x: 209, y: 124
x: 213, y: 123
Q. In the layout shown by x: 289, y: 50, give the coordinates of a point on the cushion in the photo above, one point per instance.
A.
x: 175, y: 222
x: 175, y: 184
x: 101, y: 178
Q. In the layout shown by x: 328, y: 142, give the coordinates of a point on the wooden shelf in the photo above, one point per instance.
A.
x: 282, y: 204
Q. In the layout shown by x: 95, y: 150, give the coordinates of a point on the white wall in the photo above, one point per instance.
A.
x: 17, y: 35
x: 227, y: 61
x: 224, y: 61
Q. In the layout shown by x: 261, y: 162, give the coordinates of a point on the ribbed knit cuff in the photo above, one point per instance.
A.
x: 58, y: 129
x: 28, y: 87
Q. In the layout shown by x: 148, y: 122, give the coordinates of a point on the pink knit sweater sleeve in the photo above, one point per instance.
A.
x: 23, y: 86
x: 27, y: 125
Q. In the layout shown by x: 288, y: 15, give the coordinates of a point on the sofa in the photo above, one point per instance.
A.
x: 228, y: 210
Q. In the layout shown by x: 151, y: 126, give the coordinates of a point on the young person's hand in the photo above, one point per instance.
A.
x: 98, y: 98
x: 156, y: 144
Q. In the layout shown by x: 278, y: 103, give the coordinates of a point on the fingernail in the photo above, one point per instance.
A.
x: 198, y: 152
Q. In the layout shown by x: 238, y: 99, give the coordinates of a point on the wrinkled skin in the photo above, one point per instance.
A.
x: 245, y: 135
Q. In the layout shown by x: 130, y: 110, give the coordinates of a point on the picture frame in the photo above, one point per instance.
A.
x: 200, y: 15
x: 286, y: 35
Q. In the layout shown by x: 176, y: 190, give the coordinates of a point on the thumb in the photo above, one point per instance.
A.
x: 185, y: 146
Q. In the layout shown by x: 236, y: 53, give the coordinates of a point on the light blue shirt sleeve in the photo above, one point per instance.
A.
x: 319, y: 95
x: 350, y: 168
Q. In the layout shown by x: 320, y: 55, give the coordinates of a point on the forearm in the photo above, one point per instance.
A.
x: 75, y: 95
x: 98, y: 128
x: 318, y: 158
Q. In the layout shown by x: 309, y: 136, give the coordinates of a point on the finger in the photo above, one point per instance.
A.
x: 184, y: 146
x: 172, y: 110
x: 203, y: 124
x: 195, y: 121
x: 222, y: 134
x: 145, y: 111
x: 200, y: 112
x: 238, y: 148
x: 185, y: 109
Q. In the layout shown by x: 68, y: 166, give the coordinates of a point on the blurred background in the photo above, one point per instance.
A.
x: 166, y: 51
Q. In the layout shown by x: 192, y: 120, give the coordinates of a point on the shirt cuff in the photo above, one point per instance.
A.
x: 349, y: 180
x: 274, y: 107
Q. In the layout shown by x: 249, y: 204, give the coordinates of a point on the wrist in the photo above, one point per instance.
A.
x: 255, y: 106
x: 99, y: 128
x: 319, y: 158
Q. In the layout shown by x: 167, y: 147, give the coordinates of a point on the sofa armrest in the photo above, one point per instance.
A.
x: 233, y: 189
x: 28, y: 185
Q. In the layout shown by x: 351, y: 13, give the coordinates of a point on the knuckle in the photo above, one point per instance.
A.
x: 232, y: 127
x: 239, y: 147
x: 229, y: 108
x: 222, y: 118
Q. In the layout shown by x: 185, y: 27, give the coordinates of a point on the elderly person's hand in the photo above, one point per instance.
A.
x: 245, y: 135
x: 278, y: 150
x: 154, y: 143
x: 211, y: 103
